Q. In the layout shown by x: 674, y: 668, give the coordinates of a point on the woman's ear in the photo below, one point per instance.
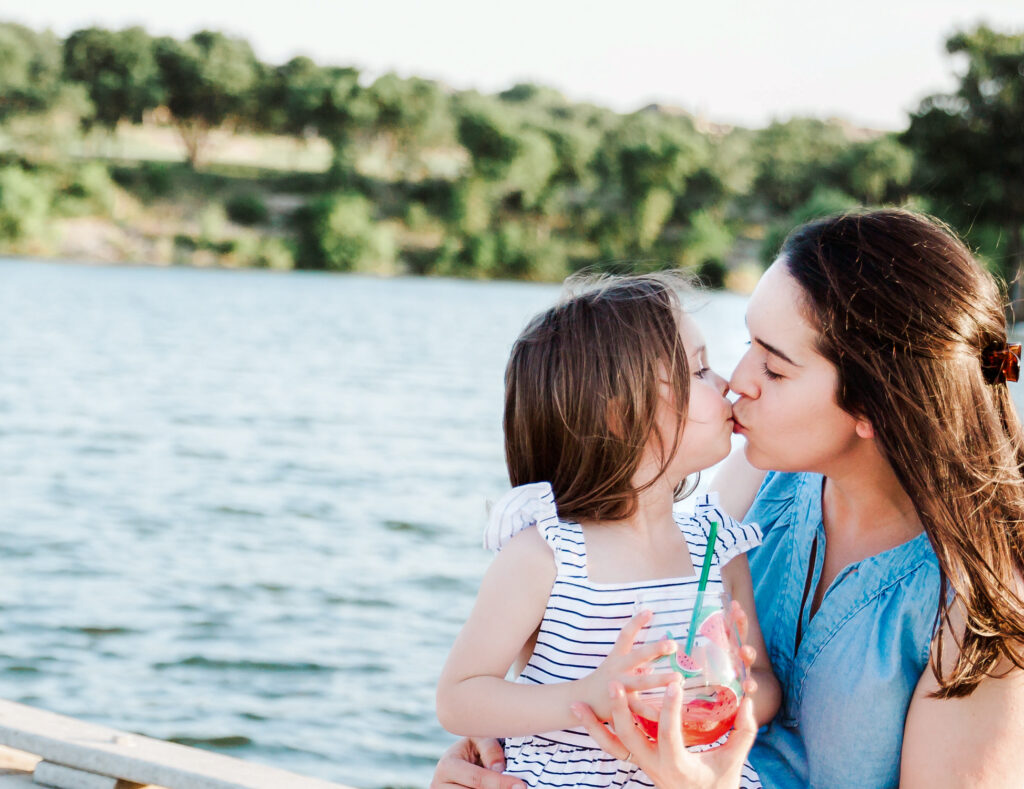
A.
x: 864, y: 429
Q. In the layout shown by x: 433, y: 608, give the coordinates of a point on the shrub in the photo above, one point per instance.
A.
x: 247, y: 209
x: 87, y: 191
x: 338, y: 232
x: 25, y: 202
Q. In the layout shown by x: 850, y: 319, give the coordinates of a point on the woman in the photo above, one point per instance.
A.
x: 889, y: 581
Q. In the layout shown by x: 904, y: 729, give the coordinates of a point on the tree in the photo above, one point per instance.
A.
x: 29, y: 70
x: 876, y: 171
x: 970, y: 144
x: 118, y: 71
x: 486, y: 131
x: 408, y: 113
x: 793, y: 159
x: 644, y: 163
x: 209, y: 79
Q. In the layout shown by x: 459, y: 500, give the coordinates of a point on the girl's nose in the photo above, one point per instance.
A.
x: 721, y: 383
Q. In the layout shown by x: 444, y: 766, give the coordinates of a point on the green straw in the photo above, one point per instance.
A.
x: 702, y: 584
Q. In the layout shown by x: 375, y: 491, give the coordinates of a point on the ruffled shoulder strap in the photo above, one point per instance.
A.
x: 520, y: 508
x: 734, y: 537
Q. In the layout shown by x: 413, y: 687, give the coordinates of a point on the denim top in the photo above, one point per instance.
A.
x: 847, y: 687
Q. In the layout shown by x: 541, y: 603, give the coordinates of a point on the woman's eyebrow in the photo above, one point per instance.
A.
x: 775, y: 351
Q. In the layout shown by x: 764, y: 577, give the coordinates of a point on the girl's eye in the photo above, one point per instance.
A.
x: 702, y: 371
x: 768, y: 373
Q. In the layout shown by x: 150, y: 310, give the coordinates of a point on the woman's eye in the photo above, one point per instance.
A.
x: 702, y: 372
x: 768, y: 373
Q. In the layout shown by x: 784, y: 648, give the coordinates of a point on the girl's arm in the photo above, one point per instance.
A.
x: 965, y: 742
x: 768, y: 697
x: 473, y: 696
x: 737, y: 483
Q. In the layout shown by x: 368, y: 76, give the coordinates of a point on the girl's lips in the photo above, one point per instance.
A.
x: 737, y: 426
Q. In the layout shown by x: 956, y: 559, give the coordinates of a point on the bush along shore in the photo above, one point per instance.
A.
x: 117, y: 146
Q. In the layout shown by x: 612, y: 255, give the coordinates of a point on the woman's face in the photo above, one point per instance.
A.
x: 787, y: 406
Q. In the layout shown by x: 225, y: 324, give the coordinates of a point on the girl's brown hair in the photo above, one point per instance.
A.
x: 582, y: 387
x: 905, y: 314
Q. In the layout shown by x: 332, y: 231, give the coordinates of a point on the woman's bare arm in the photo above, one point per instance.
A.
x: 976, y: 742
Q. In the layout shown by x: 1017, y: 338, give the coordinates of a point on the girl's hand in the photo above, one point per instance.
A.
x: 627, y: 667
x: 667, y: 762
x: 474, y: 764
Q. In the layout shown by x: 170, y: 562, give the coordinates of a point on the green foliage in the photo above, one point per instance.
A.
x: 514, y: 250
x: 877, y: 171
x: 87, y: 190
x: 247, y: 209
x: 118, y: 70
x: 649, y: 151
x: 707, y: 241
x: 793, y: 159
x: 338, y: 233
x: 712, y: 273
x: 29, y: 70
x: 969, y: 144
x: 412, y: 111
x: 520, y: 184
x: 263, y: 252
x: 532, y: 169
x: 487, y: 133
x: 208, y: 79
x: 25, y: 200
x: 474, y: 205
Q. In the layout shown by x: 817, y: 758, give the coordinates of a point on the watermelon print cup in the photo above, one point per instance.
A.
x: 712, y: 672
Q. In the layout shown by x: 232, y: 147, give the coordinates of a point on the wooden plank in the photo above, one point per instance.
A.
x: 132, y: 757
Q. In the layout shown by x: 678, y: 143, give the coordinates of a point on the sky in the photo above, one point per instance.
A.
x: 731, y: 61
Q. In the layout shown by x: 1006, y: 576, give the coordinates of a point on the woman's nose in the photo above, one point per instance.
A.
x: 742, y: 382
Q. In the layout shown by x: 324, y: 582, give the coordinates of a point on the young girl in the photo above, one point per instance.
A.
x: 609, y: 407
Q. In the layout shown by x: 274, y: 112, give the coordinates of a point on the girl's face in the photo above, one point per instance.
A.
x: 787, y: 407
x: 707, y: 430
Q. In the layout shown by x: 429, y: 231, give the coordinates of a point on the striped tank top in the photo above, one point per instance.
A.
x: 582, y: 621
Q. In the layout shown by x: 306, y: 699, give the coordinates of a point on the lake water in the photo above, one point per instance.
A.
x: 242, y: 510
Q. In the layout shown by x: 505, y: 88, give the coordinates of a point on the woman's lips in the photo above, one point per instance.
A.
x: 737, y: 425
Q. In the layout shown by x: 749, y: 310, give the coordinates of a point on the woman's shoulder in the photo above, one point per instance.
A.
x: 780, y: 493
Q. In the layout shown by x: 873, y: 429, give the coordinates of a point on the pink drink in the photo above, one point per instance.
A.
x: 706, y: 716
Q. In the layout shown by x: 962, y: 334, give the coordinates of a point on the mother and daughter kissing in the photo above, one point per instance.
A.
x: 876, y: 572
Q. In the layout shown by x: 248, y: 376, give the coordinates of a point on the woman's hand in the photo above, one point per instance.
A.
x: 462, y: 765
x: 667, y: 762
x: 627, y: 667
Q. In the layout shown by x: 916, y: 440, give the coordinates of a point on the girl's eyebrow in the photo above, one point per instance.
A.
x: 775, y: 351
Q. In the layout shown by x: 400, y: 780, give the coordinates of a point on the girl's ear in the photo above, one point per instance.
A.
x: 864, y: 429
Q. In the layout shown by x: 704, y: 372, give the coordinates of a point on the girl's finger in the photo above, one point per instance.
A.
x: 749, y: 686
x: 606, y: 739
x: 748, y: 655
x: 648, y: 652
x: 630, y: 630
x: 658, y: 679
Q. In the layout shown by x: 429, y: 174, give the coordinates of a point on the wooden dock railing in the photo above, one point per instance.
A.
x: 45, y: 749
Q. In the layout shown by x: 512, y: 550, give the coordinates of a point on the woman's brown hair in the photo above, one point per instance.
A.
x: 905, y: 314
x: 582, y: 386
